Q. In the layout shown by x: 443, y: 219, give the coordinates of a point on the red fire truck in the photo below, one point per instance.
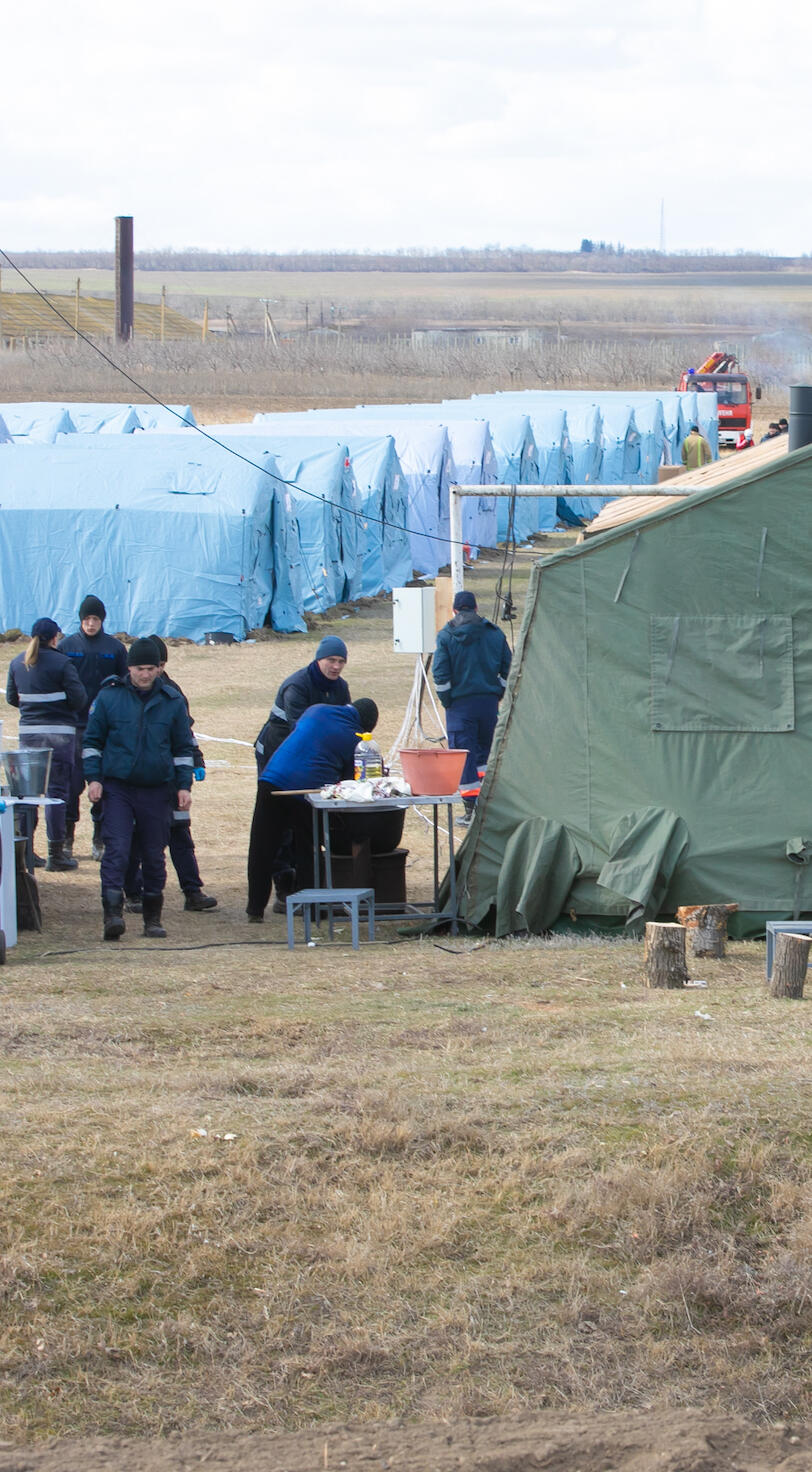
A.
x: 719, y: 374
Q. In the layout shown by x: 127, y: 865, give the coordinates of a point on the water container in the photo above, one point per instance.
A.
x: 368, y: 759
x: 28, y: 771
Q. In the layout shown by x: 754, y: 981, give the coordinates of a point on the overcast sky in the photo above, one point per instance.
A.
x: 377, y: 124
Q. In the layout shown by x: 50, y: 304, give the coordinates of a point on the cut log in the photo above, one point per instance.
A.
x: 707, y: 927
x: 789, y: 965
x: 665, y: 955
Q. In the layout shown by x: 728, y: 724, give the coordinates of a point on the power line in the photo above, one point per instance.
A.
x: 229, y: 449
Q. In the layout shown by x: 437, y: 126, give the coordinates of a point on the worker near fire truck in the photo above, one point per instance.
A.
x: 773, y: 431
x: 696, y: 451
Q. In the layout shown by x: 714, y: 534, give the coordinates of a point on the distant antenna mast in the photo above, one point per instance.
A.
x: 662, y: 226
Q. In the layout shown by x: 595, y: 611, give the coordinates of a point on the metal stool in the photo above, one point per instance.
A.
x: 349, y: 900
x: 775, y: 927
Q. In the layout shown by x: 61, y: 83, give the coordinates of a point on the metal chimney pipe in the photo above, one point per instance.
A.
x: 125, y: 278
x: 800, y: 416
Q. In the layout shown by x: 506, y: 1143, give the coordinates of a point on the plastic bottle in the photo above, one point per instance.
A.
x: 368, y: 759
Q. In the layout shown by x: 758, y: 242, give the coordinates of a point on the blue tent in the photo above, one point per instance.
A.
x: 620, y: 458
x: 37, y: 424
x: 321, y: 487
x: 424, y: 451
x: 6, y: 437
x: 473, y: 461
x: 174, y: 536
x: 90, y: 418
x: 380, y: 491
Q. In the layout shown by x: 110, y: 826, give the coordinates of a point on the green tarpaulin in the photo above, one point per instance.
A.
x: 654, y: 746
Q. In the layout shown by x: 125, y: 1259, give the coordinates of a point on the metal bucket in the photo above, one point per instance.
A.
x: 27, y: 771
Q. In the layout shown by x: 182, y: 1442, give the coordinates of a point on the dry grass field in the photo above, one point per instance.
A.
x: 440, y: 1178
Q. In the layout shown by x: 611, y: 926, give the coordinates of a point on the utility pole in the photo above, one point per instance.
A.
x: 76, y: 305
x: 163, y: 314
x: 125, y: 278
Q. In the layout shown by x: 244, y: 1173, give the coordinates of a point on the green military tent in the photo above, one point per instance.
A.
x: 654, y: 746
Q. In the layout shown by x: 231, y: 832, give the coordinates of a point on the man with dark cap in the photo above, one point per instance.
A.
x: 95, y: 656
x: 319, y: 683
x: 181, y: 844
x: 138, y: 754
x: 471, y: 666
x: 320, y: 750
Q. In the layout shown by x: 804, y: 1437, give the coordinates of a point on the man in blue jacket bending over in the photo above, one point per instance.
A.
x: 319, y: 750
x: 138, y: 752
x: 471, y: 666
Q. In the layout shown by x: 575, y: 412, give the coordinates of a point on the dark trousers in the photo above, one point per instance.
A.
x: 140, y: 814
x: 470, y: 723
x: 181, y: 852
x: 60, y: 780
x: 78, y: 785
x: 274, y: 819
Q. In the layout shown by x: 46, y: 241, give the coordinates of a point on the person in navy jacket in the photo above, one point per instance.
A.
x: 471, y: 667
x: 96, y: 656
x: 51, y: 700
x: 139, y: 755
x: 318, y: 683
x: 321, y: 749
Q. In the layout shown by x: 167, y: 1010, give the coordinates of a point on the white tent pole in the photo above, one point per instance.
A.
x: 455, y: 534
x: 605, y: 493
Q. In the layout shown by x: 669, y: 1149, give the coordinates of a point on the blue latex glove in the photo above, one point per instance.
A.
x: 200, y: 774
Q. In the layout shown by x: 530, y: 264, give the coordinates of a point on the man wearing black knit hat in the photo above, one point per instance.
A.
x: 95, y: 657
x: 181, y: 844
x: 138, y: 755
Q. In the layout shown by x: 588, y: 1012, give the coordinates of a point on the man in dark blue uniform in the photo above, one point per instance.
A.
x: 471, y: 666
x: 138, y: 754
x: 181, y: 844
x: 318, y: 683
x: 95, y: 657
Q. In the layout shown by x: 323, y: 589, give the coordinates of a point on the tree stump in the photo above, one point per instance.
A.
x: 707, y: 927
x: 665, y: 956
x: 789, y: 965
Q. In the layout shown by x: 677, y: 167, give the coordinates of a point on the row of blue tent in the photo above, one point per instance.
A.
x: 193, y: 530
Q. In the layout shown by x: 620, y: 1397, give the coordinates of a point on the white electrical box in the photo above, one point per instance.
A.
x: 413, y: 620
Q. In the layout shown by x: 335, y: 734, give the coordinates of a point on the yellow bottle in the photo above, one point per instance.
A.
x: 368, y: 759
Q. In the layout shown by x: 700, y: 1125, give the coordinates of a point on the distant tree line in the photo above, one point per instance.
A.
x: 592, y: 256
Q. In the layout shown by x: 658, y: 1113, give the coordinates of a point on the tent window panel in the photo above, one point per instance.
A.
x: 722, y: 673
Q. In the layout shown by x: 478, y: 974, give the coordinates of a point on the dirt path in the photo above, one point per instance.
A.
x: 620, y: 1441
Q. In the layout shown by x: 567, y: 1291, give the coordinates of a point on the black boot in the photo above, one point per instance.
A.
x: 97, y: 847
x: 197, y: 900
x: 135, y: 904
x: 58, y: 861
x: 113, y: 907
x: 70, y: 833
x: 153, y: 904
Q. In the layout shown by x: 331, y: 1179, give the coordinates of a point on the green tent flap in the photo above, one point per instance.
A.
x: 539, y: 865
x: 644, y: 851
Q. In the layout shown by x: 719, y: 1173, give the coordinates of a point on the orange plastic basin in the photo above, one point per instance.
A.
x: 431, y: 771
